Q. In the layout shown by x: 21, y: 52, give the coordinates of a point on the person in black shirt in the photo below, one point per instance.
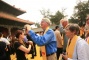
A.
x: 33, y: 49
x: 3, y: 51
x: 20, y: 46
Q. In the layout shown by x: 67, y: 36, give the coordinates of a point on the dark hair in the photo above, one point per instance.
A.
x: 73, y: 27
x: 56, y: 27
x: 1, y: 34
x: 82, y: 24
x: 18, y: 32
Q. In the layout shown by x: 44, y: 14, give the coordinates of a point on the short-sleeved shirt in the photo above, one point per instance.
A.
x: 5, y: 40
x: 19, y: 54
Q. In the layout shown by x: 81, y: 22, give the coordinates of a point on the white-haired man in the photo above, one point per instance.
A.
x: 62, y: 25
x: 48, y: 39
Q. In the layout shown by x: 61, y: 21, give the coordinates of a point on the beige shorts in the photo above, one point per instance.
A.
x: 52, y: 57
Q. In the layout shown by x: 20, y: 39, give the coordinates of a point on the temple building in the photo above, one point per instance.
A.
x: 9, y: 22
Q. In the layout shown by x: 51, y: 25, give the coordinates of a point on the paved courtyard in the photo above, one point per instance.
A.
x: 29, y: 55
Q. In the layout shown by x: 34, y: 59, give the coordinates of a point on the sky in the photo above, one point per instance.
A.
x: 33, y: 7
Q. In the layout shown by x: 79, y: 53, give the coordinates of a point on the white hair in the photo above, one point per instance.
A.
x: 47, y: 20
x: 63, y: 20
x: 87, y: 17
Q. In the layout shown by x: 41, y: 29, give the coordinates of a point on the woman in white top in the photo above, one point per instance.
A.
x: 77, y: 48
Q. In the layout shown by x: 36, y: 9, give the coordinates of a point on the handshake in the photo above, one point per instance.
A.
x: 27, y: 28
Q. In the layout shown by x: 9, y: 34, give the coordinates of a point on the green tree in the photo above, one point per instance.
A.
x: 57, y: 17
x: 73, y: 20
x: 81, y: 10
x: 46, y: 13
x: 54, y: 18
x: 37, y: 25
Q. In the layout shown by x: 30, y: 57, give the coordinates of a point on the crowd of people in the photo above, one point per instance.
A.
x: 68, y: 41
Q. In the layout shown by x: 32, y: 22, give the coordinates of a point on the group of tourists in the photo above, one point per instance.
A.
x: 65, y: 42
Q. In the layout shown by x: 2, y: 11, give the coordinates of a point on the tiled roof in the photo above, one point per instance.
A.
x: 10, y: 17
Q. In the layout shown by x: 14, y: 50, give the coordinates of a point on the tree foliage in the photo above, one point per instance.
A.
x: 81, y: 10
x: 57, y: 17
x: 54, y: 18
x: 37, y: 25
x: 45, y: 13
x: 73, y: 20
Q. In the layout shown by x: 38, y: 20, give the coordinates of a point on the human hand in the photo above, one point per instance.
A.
x: 30, y: 42
x: 64, y: 56
x: 27, y: 28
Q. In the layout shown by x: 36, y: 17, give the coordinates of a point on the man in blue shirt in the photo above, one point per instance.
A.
x: 48, y: 39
